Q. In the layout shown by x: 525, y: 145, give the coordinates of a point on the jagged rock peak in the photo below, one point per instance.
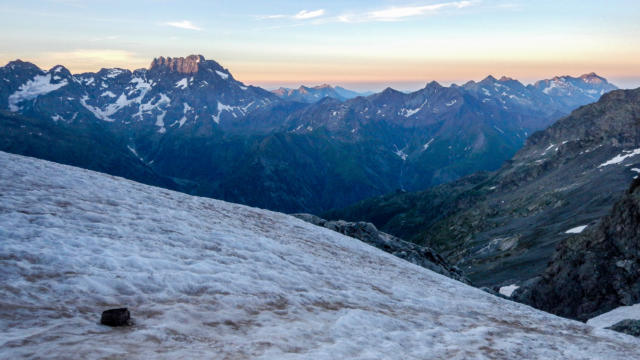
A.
x: 188, y: 65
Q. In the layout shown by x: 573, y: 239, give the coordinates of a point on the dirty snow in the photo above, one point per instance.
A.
x: 616, y: 315
x: 39, y: 85
x: 508, y: 290
x: 621, y: 157
x: 209, y: 279
x: 576, y: 230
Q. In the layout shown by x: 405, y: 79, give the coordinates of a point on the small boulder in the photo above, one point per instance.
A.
x: 116, y: 317
x: 629, y: 327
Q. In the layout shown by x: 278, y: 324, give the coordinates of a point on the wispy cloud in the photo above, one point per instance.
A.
x: 397, y: 13
x: 305, y: 14
x: 301, y: 15
x: 184, y: 24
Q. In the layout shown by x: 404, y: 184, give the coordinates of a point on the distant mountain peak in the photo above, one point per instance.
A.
x: 489, y: 78
x: 592, y: 78
x: 390, y: 90
x: 182, y: 65
x: 22, y: 65
x: 433, y: 84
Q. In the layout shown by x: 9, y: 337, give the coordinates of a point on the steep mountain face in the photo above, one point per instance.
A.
x: 595, y: 271
x: 87, y: 144
x: 314, y: 94
x: 204, y: 278
x: 501, y: 228
x: 189, y: 120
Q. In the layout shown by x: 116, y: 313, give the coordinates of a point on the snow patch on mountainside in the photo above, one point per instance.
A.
x: 182, y: 84
x: 208, y: 279
x: 426, y: 145
x: 621, y: 157
x: 576, y: 230
x: 39, y: 85
x: 224, y: 76
x: 508, y: 290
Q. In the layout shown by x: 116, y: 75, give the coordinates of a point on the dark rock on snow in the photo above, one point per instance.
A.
x: 368, y: 233
x: 116, y: 317
x: 629, y: 327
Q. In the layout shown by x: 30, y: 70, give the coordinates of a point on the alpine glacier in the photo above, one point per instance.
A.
x: 209, y: 279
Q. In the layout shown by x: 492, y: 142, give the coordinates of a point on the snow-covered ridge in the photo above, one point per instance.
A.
x: 39, y: 85
x: 209, y: 279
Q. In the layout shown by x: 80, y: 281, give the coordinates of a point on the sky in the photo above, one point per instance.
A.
x: 363, y: 45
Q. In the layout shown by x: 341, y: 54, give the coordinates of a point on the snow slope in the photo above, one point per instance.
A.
x: 209, y: 279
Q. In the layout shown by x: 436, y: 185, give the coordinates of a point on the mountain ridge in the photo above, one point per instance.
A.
x: 501, y: 227
x: 232, y: 135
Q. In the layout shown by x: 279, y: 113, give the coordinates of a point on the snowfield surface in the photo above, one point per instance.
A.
x: 615, y: 316
x: 209, y: 279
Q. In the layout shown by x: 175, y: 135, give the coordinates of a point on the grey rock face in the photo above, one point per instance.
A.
x: 595, y: 271
x: 188, y: 65
x: 368, y: 233
x: 629, y: 327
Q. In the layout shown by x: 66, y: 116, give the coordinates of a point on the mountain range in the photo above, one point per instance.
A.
x: 313, y: 94
x: 188, y: 124
x: 502, y: 227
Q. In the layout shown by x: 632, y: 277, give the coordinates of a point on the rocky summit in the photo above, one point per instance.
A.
x: 181, y: 65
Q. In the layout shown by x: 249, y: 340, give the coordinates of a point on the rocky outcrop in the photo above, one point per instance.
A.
x: 368, y: 233
x: 116, y: 317
x: 629, y: 327
x: 595, y: 271
x: 182, y: 65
